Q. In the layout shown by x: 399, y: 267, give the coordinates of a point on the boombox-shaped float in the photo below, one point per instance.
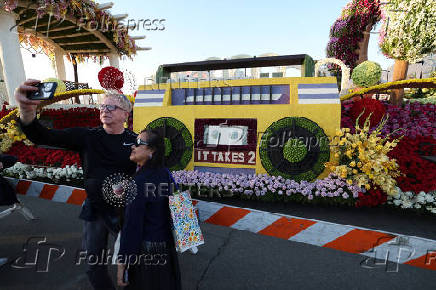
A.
x: 280, y: 126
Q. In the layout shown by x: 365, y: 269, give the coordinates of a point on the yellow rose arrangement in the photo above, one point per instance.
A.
x: 361, y: 158
x: 10, y: 133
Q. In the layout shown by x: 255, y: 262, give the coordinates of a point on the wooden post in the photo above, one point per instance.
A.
x: 400, y: 73
x: 59, y: 64
x: 76, y: 77
x: 363, y: 45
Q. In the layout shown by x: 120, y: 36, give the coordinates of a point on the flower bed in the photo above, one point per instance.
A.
x: 421, y: 202
x: 70, y: 175
x: 331, y: 190
x: 33, y: 155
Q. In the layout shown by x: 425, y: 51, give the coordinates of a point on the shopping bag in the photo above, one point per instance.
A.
x: 187, y: 232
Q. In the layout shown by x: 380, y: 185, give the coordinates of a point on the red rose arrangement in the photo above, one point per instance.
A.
x: 371, y: 198
x: 46, y: 157
x: 419, y: 173
x: 367, y: 106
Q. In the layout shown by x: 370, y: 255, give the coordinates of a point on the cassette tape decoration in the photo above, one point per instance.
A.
x: 226, y: 141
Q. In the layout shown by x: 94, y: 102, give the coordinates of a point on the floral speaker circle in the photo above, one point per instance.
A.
x: 178, y: 142
x: 294, y: 148
x: 119, y: 189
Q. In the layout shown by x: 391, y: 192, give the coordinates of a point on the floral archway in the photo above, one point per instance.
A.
x: 345, y: 70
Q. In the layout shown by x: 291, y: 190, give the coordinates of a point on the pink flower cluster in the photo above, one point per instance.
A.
x: 347, y: 31
x: 414, y: 118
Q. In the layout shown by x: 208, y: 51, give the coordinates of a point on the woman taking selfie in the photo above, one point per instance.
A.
x: 146, y: 236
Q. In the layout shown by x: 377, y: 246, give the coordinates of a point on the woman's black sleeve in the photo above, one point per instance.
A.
x: 71, y: 138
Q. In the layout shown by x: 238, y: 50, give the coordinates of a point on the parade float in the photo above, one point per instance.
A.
x: 304, y: 139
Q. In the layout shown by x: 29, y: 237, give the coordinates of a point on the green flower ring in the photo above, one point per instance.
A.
x: 294, y: 148
x: 178, y: 142
x: 168, y: 147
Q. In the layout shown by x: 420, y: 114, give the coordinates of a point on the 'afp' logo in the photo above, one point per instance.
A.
x: 38, y: 254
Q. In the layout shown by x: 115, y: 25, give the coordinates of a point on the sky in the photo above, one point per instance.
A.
x: 195, y: 30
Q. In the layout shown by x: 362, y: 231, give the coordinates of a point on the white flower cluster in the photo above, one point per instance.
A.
x: 407, y: 32
x: 409, y: 199
x: 24, y: 171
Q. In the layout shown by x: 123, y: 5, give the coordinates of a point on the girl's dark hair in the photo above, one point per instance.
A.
x: 156, y: 142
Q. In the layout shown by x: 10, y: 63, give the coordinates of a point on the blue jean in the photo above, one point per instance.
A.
x: 95, y: 242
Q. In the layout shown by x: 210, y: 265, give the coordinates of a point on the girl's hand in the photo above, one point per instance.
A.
x: 120, y: 274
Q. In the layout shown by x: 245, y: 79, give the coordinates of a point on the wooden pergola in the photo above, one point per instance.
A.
x: 69, y: 35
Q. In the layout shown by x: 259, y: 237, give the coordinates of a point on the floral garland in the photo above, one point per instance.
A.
x: 407, y: 32
x: 347, y: 31
x: 35, y: 42
x: 428, y: 82
x: 83, y: 9
x: 345, y: 79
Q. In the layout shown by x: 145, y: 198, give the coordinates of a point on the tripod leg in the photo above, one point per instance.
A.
x: 28, y: 215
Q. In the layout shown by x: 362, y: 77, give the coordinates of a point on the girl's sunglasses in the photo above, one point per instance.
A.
x: 138, y: 142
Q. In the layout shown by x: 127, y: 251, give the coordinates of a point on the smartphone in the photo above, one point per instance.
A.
x: 126, y: 275
x: 45, y: 91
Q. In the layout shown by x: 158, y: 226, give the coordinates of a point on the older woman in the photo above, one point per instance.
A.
x: 147, y: 245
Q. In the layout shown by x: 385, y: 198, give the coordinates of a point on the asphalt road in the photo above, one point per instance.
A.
x: 230, y: 259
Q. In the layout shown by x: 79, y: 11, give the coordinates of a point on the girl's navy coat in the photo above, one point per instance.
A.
x: 148, y: 217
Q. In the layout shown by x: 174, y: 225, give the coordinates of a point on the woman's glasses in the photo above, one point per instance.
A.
x: 137, y: 143
x: 110, y: 108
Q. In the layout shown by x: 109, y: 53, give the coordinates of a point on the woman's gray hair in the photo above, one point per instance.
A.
x: 122, y: 99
